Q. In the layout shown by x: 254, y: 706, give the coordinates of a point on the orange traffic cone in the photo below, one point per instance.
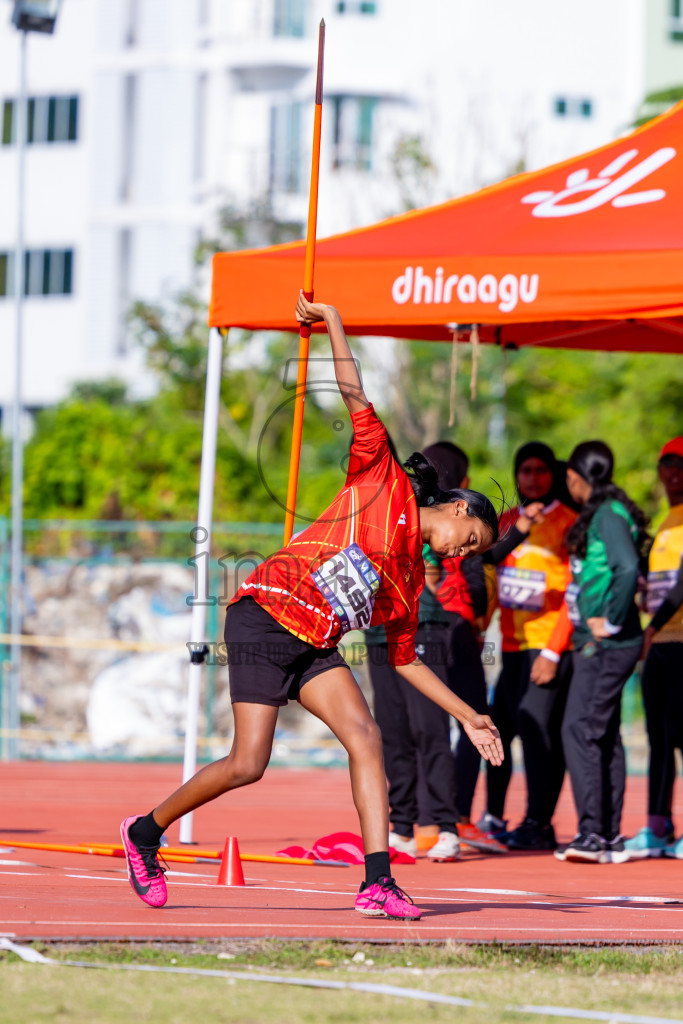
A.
x: 230, y: 872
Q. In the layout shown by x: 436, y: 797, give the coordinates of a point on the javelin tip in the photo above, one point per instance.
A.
x: 319, y: 76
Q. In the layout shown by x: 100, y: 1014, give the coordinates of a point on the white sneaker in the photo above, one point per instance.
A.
x: 403, y: 844
x: 446, y: 848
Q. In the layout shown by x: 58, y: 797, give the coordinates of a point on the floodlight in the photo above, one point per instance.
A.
x: 35, y: 15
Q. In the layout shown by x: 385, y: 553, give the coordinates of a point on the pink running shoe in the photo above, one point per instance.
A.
x: 145, y: 874
x: 384, y: 899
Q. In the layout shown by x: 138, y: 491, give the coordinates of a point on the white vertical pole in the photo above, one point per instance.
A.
x: 202, y: 537
x: 11, y: 747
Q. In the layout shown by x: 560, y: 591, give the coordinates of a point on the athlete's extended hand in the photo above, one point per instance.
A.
x: 543, y: 670
x: 485, y: 738
x: 597, y: 627
x: 530, y: 514
x: 310, y: 312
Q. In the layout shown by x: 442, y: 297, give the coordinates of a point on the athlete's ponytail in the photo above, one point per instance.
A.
x: 424, y: 479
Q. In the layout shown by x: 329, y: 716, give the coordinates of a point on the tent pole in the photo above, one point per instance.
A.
x: 201, y: 562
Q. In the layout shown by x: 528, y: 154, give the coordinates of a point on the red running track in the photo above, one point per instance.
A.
x: 521, y: 897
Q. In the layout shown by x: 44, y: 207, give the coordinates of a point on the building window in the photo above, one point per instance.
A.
x: 676, y: 20
x: 356, y: 7
x: 49, y: 119
x: 353, y: 118
x: 6, y: 282
x: 46, y: 272
x: 285, y: 149
x: 289, y: 18
x: 572, y: 107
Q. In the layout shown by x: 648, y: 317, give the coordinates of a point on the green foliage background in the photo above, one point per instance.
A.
x: 634, y: 402
x: 98, y: 455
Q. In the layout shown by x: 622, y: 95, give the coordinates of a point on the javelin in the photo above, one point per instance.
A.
x: 304, y: 329
x: 181, y: 856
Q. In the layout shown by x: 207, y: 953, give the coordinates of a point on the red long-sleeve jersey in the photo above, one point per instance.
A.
x: 360, y: 563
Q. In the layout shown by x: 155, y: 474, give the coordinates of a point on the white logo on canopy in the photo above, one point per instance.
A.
x: 610, y: 186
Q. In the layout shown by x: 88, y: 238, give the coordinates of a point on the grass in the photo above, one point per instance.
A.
x: 644, y: 980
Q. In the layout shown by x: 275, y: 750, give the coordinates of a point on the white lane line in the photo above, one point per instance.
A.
x: 564, y: 896
x: 285, y: 885
x: 31, y: 873
x: 612, y: 1016
x: 188, y: 874
x: 573, y: 903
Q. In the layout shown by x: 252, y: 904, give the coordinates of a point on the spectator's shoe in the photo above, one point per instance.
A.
x: 384, y: 899
x: 145, y: 874
x: 616, y: 850
x: 588, y: 848
x: 490, y: 825
x: 471, y: 835
x: 446, y: 848
x: 403, y: 844
x: 675, y: 849
x: 645, y: 844
x: 561, y: 851
x: 426, y: 836
x: 531, y: 835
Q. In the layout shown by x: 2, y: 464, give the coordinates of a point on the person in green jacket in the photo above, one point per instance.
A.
x: 606, y: 544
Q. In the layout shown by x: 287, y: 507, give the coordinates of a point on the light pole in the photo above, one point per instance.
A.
x: 28, y: 16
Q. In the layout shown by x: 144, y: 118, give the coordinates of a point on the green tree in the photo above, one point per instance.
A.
x: 656, y: 103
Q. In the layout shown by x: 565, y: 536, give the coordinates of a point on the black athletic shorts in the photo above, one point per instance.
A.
x: 266, y: 663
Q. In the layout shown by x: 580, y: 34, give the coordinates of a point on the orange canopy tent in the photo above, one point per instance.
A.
x: 585, y: 254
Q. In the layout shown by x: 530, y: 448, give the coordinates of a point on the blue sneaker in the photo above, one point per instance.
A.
x: 490, y: 825
x: 675, y: 849
x: 645, y: 844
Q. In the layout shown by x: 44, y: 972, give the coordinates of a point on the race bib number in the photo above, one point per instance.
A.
x: 521, y: 589
x: 572, y: 600
x: 348, y: 583
x: 658, y: 586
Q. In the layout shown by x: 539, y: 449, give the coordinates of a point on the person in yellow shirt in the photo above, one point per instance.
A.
x: 662, y: 678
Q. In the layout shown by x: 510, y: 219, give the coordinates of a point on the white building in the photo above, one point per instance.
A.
x: 147, y: 116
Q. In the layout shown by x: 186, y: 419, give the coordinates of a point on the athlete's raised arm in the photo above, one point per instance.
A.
x: 345, y: 369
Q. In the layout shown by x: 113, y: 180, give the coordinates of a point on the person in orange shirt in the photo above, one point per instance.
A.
x: 532, y: 574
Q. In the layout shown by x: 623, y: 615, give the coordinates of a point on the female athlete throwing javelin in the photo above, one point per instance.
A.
x: 359, y: 563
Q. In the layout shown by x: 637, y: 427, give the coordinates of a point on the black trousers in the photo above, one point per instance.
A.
x: 466, y: 679
x: 592, y: 737
x: 662, y: 686
x: 415, y: 731
x: 534, y: 713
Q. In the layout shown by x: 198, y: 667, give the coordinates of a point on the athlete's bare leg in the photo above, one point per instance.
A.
x: 336, y: 699
x: 246, y: 762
